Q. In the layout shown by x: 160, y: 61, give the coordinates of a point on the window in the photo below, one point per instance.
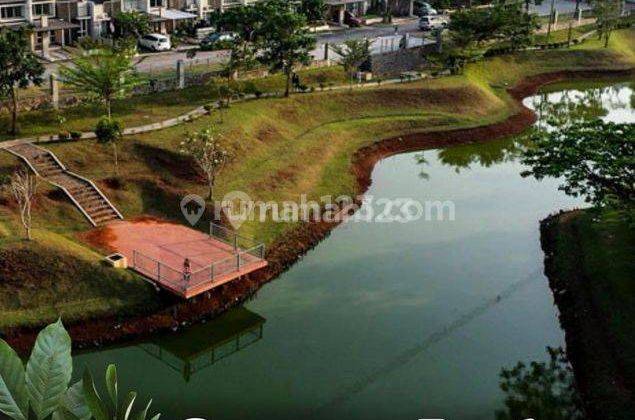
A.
x: 11, y: 12
x: 42, y: 9
x: 156, y: 3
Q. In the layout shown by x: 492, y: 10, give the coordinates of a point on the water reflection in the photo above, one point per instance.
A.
x: 203, y: 345
x: 611, y: 103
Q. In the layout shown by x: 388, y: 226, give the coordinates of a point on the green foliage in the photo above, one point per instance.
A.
x: 541, y: 390
x: 42, y: 390
x: 103, y: 74
x: 108, y: 130
x: 19, y: 67
x: 39, y: 391
x: 111, y: 408
x: 313, y: 10
x: 131, y: 24
x: 353, y: 53
x: 607, y: 13
x: 473, y: 27
x: 208, y: 152
x: 284, y: 40
x: 595, y: 158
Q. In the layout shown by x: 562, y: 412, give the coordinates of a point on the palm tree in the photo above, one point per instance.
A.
x: 104, y: 75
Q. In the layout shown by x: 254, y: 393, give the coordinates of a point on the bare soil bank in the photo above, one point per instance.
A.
x: 286, y: 251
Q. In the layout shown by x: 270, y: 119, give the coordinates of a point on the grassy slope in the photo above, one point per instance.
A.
x: 593, y: 259
x: 140, y: 110
x: 287, y: 147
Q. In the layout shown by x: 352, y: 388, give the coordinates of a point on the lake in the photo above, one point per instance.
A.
x: 385, y: 320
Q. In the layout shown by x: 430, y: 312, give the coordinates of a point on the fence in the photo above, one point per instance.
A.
x: 243, y: 250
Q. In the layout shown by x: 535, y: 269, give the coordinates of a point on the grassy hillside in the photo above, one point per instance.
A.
x: 282, y: 147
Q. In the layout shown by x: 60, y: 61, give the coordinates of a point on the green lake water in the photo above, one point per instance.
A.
x: 384, y: 320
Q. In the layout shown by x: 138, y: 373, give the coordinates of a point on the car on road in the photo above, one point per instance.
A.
x: 155, y: 42
x: 352, y: 20
x: 218, y: 40
x: 431, y: 22
x: 424, y: 9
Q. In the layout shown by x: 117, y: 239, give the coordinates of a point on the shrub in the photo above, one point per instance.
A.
x: 76, y: 135
x: 108, y: 130
x: 63, y: 135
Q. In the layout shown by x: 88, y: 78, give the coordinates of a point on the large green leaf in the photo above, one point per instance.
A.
x: 111, y: 387
x: 49, y: 370
x: 96, y: 406
x: 14, y: 400
x: 63, y: 414
x: 143, y: 414
x: 74, y: 402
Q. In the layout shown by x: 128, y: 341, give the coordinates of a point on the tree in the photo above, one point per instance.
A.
x: 284, y: 40
x: 517, y: 27
x: 110, y: 131
x: 23, y: 186
x: 104, y: 75
x: 209, y: 154
x: 19, y: 67
x: 607, y: 13
x: 132, y: 24
x: 570, y: 28
x: 42, y: 390
x: 242, y: 58
x: 595, y: 158
x: 353, y: 53
x: 541, y: 390
x: 313, y: 10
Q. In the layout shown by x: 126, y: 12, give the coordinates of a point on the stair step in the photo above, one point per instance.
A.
x: 84, y: 194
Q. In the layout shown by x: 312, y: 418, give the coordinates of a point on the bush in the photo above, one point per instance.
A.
x: 108, y: 130
x: 209, y: 107
x: 76, y: 135
x: 63, y: 135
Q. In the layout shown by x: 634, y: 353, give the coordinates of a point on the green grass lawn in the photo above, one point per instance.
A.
x: 283, y: 147
x: 146, y: 109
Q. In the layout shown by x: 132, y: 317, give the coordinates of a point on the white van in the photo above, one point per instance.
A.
x: 155, y: 42
x: 430, y: 22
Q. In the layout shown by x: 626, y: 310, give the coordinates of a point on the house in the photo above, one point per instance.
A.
x: 49, y: 30
x: 337, y: 8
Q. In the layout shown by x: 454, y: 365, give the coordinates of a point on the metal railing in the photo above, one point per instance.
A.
x: 228, y: 265
x: 180, y: 279
x: 230, y: 237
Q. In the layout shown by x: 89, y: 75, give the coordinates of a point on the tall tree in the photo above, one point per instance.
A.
x: 19, y: 67
x: 313, y: 10
x: 104, y: 75
x: 352, y: 54
x: 209, y: 154
x: 284, y: 40
x: 131, y: 24
x: 607, y: 13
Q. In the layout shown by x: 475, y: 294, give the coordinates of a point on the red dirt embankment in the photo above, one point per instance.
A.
x: 286, y: 251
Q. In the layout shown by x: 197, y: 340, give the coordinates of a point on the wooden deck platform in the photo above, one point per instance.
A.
x: 158, y: 250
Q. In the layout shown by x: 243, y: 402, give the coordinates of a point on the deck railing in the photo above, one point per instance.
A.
x: 231, y: 238
x: 179, y: 279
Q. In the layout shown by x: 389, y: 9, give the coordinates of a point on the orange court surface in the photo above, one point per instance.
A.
x: 159, y: 250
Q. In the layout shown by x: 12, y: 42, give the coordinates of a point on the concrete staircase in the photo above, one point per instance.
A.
x: 83, y: 193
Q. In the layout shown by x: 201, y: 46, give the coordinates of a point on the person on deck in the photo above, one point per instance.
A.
x: 187, y: 270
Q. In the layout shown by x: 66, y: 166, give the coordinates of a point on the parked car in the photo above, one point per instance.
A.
x: 352, y: 20
x: 155, y: 42
x: 430, y: 22
x: 218, y: 40
x: 424, y: 9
